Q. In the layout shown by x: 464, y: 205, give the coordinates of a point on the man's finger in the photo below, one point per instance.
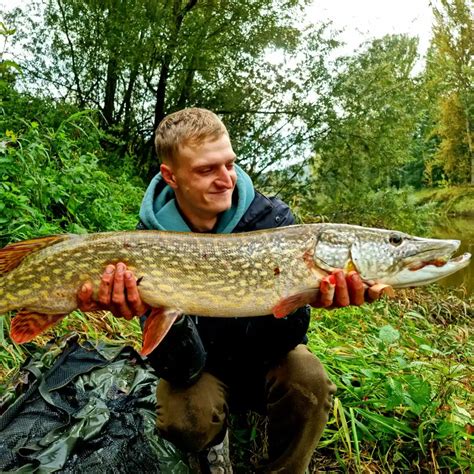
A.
x: 106, y: 285
x: 341, y: 297
x: 356, y: 288
x: 133, y: 296
x: 118, y: 290
x: 326, y: 292
x: 84, y: 298
x: 119, y: 300
x: 378, y: 290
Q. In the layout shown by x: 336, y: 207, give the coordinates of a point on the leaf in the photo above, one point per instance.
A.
x: 388, y: 334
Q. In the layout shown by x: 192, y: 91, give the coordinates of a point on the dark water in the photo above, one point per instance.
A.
x: 460, y: 228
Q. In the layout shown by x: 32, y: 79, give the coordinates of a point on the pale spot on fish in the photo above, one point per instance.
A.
x: 44, y: 295
x: 24, y: 292
x: 25, y: 277
x: 45, y: 278
x: 57, y: 271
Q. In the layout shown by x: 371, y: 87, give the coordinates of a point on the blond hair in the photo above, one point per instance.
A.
x: 186, y: 127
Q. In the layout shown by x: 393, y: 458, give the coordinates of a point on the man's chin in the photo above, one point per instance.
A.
x: 220, y: 202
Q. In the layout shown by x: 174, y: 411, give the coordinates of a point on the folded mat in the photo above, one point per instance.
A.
x: 79, y: 408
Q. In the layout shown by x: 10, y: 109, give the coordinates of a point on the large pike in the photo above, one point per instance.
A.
x: 250, y: 274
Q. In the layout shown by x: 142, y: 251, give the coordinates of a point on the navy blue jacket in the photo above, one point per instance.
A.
x: 233, y: 349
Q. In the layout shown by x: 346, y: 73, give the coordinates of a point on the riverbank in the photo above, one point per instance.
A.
x: 402, y: 367
x: 452, y: 201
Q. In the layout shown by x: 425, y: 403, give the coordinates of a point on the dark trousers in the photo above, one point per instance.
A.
x: 298, y: 397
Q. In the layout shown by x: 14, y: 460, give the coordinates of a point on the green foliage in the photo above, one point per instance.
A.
x: 172, y: 54
x: 375, y: 113
x: 361, y: 168
x: 453, y: 154
x: 53, y: 180
x: 323, y: 200
x: 448, y: 85
x: 401, y: 369
x: 8, y: 68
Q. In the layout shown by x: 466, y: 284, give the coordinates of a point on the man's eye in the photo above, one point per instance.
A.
x: 230, y: 166
x: 205, y: 170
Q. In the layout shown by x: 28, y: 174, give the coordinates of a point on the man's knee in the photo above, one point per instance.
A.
x: 301, y: 377
x: 191, y: 418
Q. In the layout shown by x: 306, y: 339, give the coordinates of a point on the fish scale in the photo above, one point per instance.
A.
x: 233, y: 275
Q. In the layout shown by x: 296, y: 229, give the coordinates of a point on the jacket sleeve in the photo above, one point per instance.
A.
x: 180, y: 357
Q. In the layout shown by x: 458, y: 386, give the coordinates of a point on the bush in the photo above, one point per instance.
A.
x: 55, y: 180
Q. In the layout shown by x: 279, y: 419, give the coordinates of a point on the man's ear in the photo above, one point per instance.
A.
x: 168, y: 176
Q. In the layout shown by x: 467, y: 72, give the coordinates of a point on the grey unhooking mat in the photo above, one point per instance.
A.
x: 92, y: 410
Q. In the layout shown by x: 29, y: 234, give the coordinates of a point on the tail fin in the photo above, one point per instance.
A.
x: 12, y: 255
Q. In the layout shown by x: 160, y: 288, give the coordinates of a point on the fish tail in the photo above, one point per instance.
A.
x: 10, y: 258
x: 12, y: 255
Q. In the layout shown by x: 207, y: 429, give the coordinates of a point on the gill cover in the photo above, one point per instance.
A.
x: 333, y: 249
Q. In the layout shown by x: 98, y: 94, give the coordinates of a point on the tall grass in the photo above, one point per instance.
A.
x: 405, y: 386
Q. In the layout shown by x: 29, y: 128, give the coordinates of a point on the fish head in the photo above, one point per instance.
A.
x: 389, y: 257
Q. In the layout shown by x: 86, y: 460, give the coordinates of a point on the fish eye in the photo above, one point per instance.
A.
x: 395, y: 239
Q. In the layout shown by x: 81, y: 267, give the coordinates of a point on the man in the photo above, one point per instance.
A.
x: 211, y: 366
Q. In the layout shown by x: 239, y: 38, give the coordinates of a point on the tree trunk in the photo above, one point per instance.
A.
x: 469, y: 144
x: 110, y: 89
x: 160, y: 95
x: 187, y: 85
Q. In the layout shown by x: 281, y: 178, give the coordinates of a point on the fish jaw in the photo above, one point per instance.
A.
x: 427, y: 272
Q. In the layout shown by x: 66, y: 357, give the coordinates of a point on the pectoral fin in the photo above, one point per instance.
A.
x: 156, y: 327
x: 26, y: 325
x: 289, y: 304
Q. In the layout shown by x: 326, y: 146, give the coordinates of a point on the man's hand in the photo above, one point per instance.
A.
x: 338, y: 289
x: 118, y: 293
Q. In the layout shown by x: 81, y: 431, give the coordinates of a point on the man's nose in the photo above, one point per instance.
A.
x: 225, y: 178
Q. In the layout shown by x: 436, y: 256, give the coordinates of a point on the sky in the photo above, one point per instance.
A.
x: 368, y: 19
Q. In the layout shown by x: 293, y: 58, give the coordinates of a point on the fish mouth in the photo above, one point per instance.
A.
x: 429, y: 270
x: 459, y: 262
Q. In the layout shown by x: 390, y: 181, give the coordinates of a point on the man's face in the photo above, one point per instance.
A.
x: 203, y: 177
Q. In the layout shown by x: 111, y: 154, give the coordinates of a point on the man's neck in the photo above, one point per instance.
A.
x: 197, y: 223
x: 202, y: 225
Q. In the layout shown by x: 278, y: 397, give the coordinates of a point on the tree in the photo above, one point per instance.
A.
x: 374, y: 117
x: 450, y: 76
x: 138, y: 60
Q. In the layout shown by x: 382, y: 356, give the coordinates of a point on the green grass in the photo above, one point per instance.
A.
x: 403, y: 370
x: 405, y: 386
